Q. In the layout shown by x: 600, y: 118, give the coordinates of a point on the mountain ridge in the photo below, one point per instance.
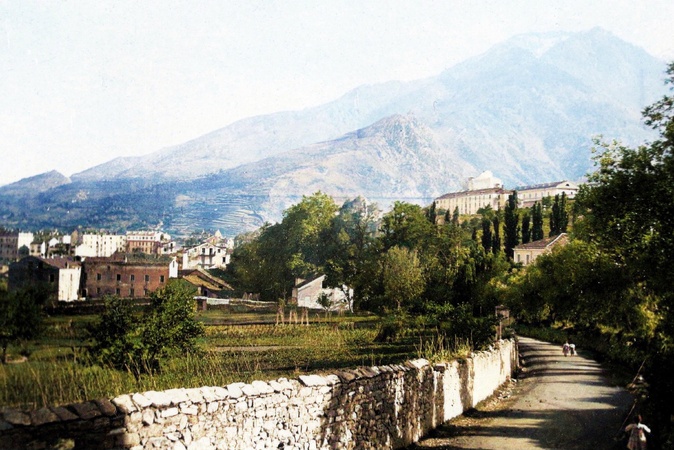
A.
x: 527, y: 110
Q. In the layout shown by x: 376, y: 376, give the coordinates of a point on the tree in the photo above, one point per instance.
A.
x: 537, y: 222
x: 405, y: 226
x: 455, y: 217
x: 496, y: 238
x: 138, y: 343
x: 432, y: 214
x: 351, y: 250
x: 627, y: 210
x: 559, y: 218
x: 486, y: 234
x: 21, y: 316
x: 113, y: 334
x: 526, y: 227
x: 402, y: 276
x: 170, y: 325
x: 512, y: 229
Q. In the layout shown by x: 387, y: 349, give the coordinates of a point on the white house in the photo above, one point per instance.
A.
x: 205, y: 256
x: 306, y: 294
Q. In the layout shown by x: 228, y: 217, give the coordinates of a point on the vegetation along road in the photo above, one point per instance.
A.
x: 558, y: 403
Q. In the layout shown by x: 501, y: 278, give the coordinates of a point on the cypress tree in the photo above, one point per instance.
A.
x: 563, y: 214
x: 486, y: 234
x: 496, y: 239
x: 537, y: 222
x: 511, y: 226
x: 526, y: 228
x: 554, y: 217
x: 455, y: 216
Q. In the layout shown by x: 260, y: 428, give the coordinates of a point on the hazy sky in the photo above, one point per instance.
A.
x: 82, y: 82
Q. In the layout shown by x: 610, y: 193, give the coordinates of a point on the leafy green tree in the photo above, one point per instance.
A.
x: 403, y: 277
x: 627, y: 210
x: 138, y: 343
x: 352, y: 250
x: 405, y: 226
x: 21, y: 316
x: 170, y: 326
x: 304, y: 225
x: 511, y: 225
x: 114, y: 334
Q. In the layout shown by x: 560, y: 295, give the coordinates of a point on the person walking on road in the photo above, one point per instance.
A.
x: 637, y: 434
x: 565, y: 348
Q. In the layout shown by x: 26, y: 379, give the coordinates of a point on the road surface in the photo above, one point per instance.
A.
x: 557, y: 403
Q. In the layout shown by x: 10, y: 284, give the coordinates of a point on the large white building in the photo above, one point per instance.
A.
x: 100, y: 244
x: 528, y: 195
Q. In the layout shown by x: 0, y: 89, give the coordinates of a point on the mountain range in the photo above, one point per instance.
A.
x: 527, y: 110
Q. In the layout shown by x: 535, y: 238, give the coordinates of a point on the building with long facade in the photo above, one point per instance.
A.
x: 528, y: 195
x: 126, y: 275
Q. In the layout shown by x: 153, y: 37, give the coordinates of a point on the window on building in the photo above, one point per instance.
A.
x: 161, y: 278
x: 147, y: 278
x: 131, y: 293
x: 51, y: 277
x: 119, y: 277
x: 118, y: 291
x: 133, y: 277
x: 146, y: 292
x: 98, y: 277
x: 98, y: 290
x: 527, y: 259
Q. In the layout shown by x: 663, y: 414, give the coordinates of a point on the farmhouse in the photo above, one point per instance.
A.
x: 527, y: 253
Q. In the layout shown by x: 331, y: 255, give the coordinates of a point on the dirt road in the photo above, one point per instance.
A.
x: 558, y: 403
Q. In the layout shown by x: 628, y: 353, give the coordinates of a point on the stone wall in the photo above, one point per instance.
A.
x: 384, y: 407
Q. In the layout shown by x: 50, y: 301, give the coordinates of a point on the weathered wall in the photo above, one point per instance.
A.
x: 383, y: 407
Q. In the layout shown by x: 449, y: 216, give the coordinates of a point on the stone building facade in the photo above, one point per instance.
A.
x: 124, y: 275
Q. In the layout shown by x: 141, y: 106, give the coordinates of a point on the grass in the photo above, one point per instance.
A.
x: 237, y: 347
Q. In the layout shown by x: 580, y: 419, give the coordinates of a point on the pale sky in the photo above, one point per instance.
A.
x: 82, y: 82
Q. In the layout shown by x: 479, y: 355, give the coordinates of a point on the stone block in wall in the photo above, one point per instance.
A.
x: 125, y: 404
x: 140, y: 400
